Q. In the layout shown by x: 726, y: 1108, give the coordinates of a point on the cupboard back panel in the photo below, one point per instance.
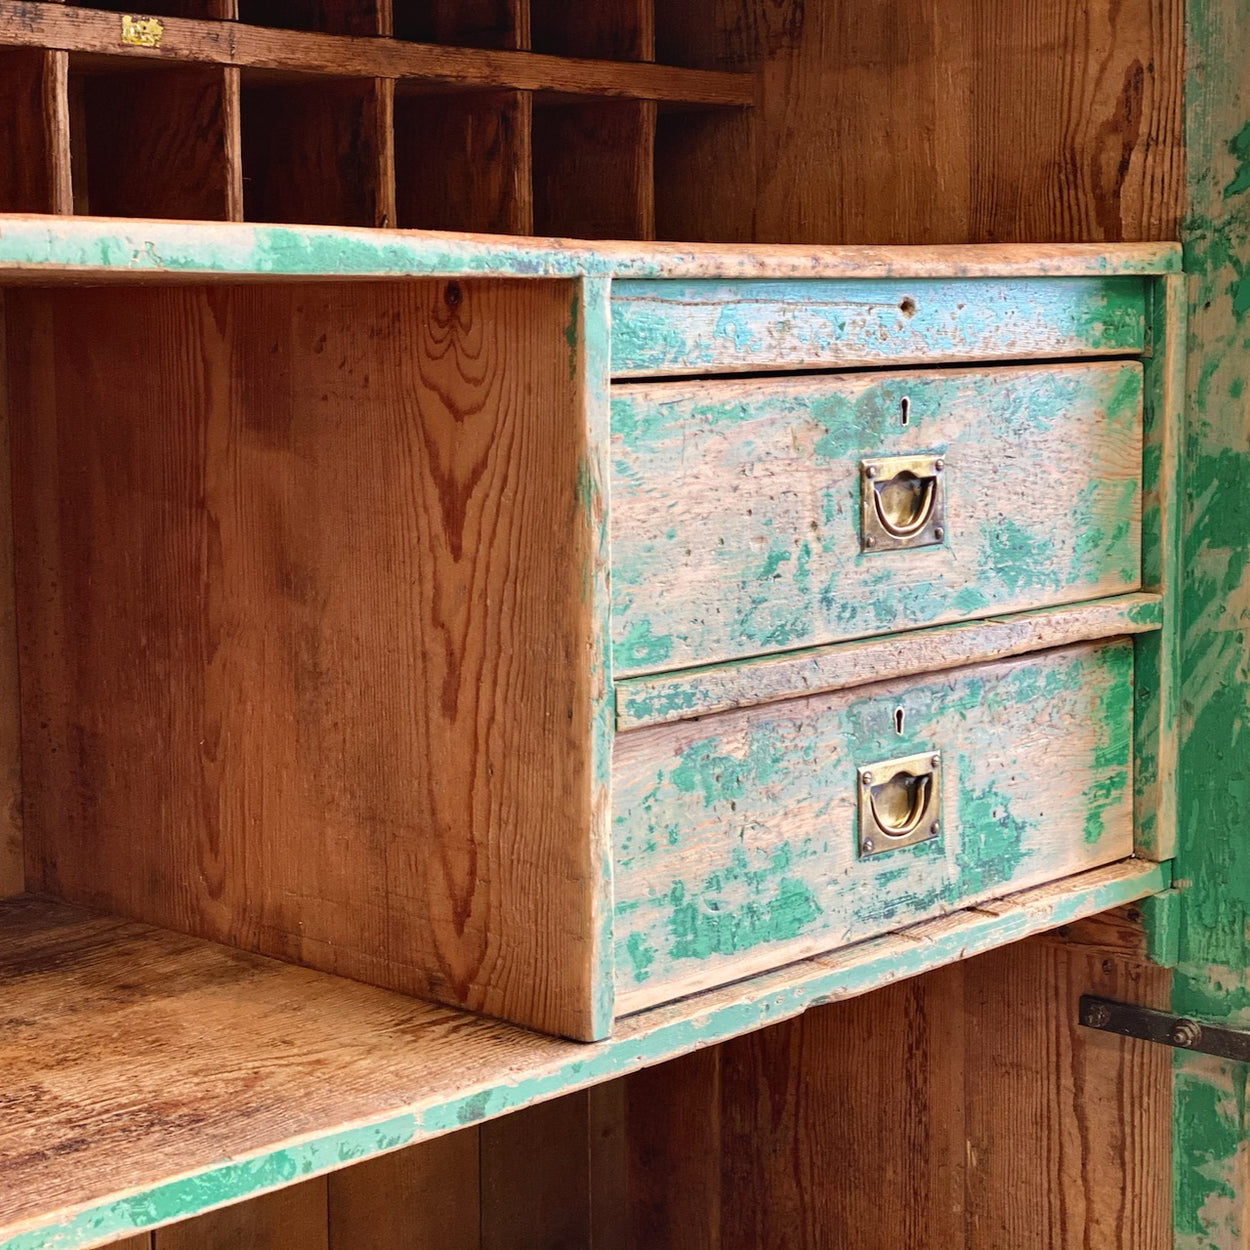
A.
x: 302, y: 670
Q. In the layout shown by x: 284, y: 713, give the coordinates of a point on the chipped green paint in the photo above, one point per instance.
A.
x: 738, y: 832
x: 671, y: 327
x: 735, y: 526
x: 558, y: 1067
x: 1161, y: 918
x: 1211, y: 1125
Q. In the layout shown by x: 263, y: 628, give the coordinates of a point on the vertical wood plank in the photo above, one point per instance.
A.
x: 287, y: 1219
x: 424, y: 1197
x: 607, y: 1119
x: 536, y: 1177
x: 675, y: 1155
x: 1068, y: 1129
x: 848, y: 1118
x: 155, y: 143
x: 27, y: 97
x: 12, y: 870
x: 232, y: 141
x: 462, y: 162
x: 594, y: 170
x: 57, y: 131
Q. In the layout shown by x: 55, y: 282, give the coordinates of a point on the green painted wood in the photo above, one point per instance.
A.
x: 559, y: 1066
x: 736, y: 835
x: 1161, y: 916
x: 1211, y: 1106
x: 674, y: 327
x: 661, y: 698
x: 163, y: 250
x: 736, y: 505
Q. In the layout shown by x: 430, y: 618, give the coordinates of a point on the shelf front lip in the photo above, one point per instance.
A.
x: 45, y: 248
x: 664, y: 697
x: 556, y: 1067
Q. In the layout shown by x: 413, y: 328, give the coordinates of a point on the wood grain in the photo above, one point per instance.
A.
x: 426, y: 1195
x: 222, y: 1089
x: 736, y: 835
x: 930, y: 122
x: 1068, y: 1129
x: 314, y: 152
x: 32, y: 23
x: 462, y: 162
x: 736, y: 519
x: 12, y: 867
x: 26, y: 172
x: 536, y: 1177
x: 306, y: 590
x: 464, y: 23
x: 290, y: 1219
x: 593, y: 170
x: 334, y: 17
x: 610, y: 30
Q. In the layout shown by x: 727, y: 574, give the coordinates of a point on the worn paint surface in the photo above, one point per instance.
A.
x: 736, y: 506
x: 1212, y: 981
x: 560, y: 1067
x: 152, y: 249
x: 736, y: 836
x: 705, y: 326
x: 661, y: 698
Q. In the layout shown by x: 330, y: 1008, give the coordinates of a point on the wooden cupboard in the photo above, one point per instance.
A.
x: 808, y: 124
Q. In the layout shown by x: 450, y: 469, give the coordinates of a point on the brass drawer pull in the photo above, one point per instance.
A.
x: 899, y: 803
x: 902, y: 503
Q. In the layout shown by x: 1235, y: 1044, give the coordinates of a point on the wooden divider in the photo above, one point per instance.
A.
x: 314, y: 114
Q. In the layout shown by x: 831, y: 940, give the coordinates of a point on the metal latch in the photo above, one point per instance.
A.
x: 1128, y: 1020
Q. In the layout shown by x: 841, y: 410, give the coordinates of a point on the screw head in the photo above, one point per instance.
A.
x: 869, y: 541
x: 939, y: 465
x: 1099, y: 1015
x: 938, y: 531
x: 935, y: 760
x: 1185, y: 1033
x: 867, y: 779
x: 933, y: 829
x: 870, y: 470
x: 868, y: 846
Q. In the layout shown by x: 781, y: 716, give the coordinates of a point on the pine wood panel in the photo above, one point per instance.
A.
x: 335, y: 17
x: 464, y: 23
x: 462, y: 162
x: 425, y: 1197
x: 155, y: 144
x: 288, y: 1219
x: 611, y: 30
x: 12, y: 868
x: 536, y: 1177
x: 929, y: 122
x: 26, y: 184
x: 278, y: 531
x: 1068, y: 1129
x: 593, y: 170
x: 316, y: 152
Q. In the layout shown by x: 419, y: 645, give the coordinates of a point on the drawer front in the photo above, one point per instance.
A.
x: 738, y: 837
x: 672, y: 327
x: 737, y: 519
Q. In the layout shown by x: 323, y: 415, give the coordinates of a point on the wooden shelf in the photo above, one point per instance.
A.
x: 151, y: 1076
x: 187, y: 40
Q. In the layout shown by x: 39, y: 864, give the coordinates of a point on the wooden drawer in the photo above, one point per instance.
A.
x: 736, y: 505
x: 672, y: 327
x: 738, y: 836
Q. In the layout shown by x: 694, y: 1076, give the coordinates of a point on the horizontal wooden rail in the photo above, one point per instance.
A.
x: 213, y: 42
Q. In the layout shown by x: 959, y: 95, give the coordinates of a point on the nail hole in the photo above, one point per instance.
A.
x: 905, y: 405
x: 453, y: 295
x: 907, y: 307
x: 899, y: 717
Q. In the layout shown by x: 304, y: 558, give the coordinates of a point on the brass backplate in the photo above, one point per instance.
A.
x: 900, y: 803
x: 902, y: 502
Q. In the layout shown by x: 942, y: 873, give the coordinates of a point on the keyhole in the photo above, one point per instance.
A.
x: 906, y: 407
x: 899, y: 716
